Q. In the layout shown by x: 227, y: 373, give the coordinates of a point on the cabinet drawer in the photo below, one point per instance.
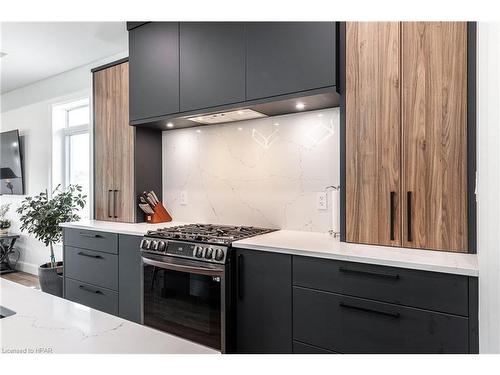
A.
x: 355, y: 325
x: 92, y: 240
x: 93, y: 267
x: 427, y: 290
x: 89, y: 295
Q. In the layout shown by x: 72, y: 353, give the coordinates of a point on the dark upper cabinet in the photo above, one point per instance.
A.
x: 212, y: 64
x: 154, y: 70
x: 263, y: 302
x: 287, y: 57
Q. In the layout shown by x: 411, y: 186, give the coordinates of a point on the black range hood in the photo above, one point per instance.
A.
x: 286, y: 104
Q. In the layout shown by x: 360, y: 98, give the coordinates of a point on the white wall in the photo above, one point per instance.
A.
x: 488, y: 147
x: 263, y: 172
x: 29, y: 110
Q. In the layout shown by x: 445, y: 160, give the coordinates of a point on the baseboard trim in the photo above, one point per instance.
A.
x: 27, y: 267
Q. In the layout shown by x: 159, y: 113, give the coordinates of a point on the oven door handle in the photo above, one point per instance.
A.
x: 178, y: 266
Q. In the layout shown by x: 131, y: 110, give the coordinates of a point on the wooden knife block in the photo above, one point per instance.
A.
x: 160, y: 215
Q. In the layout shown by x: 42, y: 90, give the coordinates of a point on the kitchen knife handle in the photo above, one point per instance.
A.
x: 115, y: 192
x: 239, y: 282
x: 109, y: 204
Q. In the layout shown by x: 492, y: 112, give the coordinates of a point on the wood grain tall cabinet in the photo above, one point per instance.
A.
x: 406, y: 134
x: 127, y: 160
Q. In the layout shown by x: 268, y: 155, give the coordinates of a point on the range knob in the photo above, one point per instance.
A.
x: 219, y: 254
x: 199, y: 252
x: 154, y: 245
x: 161, y: 245
x: 208, y: 253
x: 145, y: 244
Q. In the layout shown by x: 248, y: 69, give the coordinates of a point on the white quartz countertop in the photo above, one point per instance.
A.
x: 135, y: 229
x: 322, y: 245
x: 55, y: 325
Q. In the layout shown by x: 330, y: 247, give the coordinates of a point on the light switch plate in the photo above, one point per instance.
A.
x: 321, y: 200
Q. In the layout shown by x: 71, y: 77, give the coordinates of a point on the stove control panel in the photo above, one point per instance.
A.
x: 198, y: 251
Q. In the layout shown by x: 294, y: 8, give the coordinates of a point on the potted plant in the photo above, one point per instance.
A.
x: 41, y: 216
x: 4, y: 223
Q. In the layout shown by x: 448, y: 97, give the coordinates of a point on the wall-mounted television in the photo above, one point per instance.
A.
x: 11, y: 164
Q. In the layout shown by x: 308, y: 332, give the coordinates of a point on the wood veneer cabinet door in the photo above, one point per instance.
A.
x: 434, y: 135
x: 103, y: 144
x: 114, y: 146
x: 123, y: 159
x: 373, y: 212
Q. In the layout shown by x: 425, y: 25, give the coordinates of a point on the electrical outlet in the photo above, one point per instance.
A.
x: 321, y: 200
x: 183, y: 198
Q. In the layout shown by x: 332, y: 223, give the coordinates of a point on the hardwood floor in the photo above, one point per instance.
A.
x: 23, y: 278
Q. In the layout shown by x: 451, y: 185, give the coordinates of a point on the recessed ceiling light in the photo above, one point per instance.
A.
x: 170, y: 125
x: 276, y: 124
x: 300, y: 106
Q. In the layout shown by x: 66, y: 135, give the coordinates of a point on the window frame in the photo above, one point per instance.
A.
x: 67, y: 133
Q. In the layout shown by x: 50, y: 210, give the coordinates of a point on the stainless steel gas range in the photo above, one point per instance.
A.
x: 187, y: 282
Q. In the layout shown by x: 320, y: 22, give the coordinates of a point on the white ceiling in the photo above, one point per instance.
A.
x: 37, y: 50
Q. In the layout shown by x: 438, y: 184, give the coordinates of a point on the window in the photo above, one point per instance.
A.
x: 71, y: 147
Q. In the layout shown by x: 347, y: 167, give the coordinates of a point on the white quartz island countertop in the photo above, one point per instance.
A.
x: 43, y: 323
x: 321, y: 245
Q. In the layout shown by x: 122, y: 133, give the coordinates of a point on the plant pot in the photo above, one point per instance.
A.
x: 51, y: 278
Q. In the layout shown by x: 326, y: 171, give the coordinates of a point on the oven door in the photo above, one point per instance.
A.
x: 186, y: 298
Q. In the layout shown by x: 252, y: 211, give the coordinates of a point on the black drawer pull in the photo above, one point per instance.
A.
x: 90, y: 290
x: 239, y: 276
x: 89, y: 255
x: 90, y: 235
x: 386, y: 313
x: 369, y: 273
x: 409, y: 217
x: 391, y: 215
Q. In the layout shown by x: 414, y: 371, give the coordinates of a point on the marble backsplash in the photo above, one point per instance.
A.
x: 263, y: 172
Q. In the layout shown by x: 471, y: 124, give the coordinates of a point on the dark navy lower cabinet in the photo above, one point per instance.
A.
x: 263, y: 302
x: 103, y: 271
x: 306, y: 305
x: 130, y: 278
x: 349, y: 307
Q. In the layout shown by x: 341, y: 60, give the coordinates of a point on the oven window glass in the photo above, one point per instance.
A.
x: 183, y: 304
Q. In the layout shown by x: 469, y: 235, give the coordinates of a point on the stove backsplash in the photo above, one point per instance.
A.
x: 263, y: 172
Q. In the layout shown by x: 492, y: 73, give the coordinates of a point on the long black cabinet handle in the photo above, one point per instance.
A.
x: 370, y: 273
x: 391, y: 215
x: 408, y: 219
x: 386, y: 313
x: 89, y: 255
x: 89, y: 235
x: 239, y: 276
x: 115, y: 192
x: 90, y: 290
x: 109, y: 203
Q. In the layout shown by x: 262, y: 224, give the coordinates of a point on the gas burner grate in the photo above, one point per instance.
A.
x: 208, y: 233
